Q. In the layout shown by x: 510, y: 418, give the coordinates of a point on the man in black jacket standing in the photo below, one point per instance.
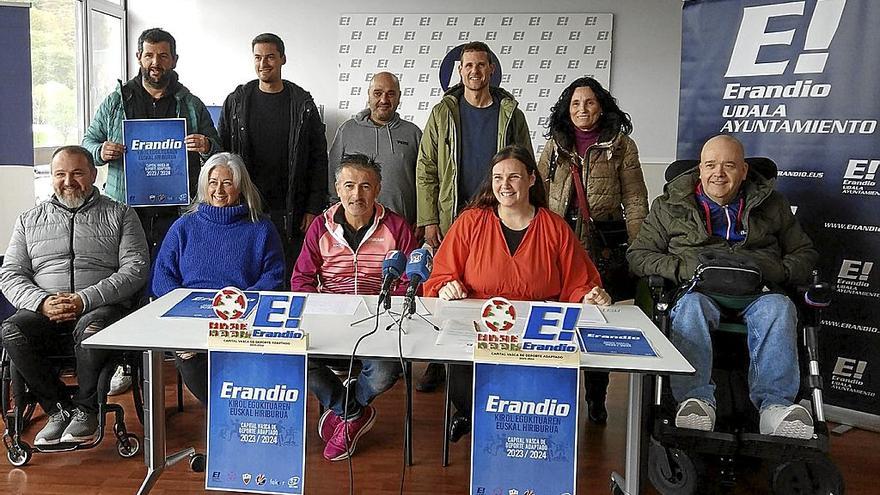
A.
x: 275, y: 126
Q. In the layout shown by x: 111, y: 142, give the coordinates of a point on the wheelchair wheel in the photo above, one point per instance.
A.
x: 19, y: 454
x: 197, y: 462
x: 671, y: 471
x: 806, y: 478
x: 128, y: 445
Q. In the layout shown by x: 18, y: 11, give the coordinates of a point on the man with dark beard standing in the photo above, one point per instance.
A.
x: 154, y: 93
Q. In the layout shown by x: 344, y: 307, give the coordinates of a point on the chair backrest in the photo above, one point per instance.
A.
x: 6, y: 309
x: 763, y: 166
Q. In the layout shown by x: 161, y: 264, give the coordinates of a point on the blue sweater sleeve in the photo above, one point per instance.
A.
x: 272, y: 273
x: 166, y: 271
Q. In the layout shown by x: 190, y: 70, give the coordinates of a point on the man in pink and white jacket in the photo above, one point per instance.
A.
x: 342, y: 254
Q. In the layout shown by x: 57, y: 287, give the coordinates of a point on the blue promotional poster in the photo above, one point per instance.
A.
x: 796, y: 81
x: 156, y: 172
x: 524, y: 429
x: 608, y: 340
x: 256, y: 422
x: 200, y: 304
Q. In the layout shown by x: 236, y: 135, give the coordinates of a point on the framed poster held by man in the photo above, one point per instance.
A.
x: 156, y: 171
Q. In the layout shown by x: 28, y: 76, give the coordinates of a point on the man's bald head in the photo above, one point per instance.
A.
x: 722, y: 168
x: 724, y: 140
x: 383, y: 97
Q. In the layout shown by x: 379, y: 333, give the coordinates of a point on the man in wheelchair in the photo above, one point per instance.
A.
x: 73, y: 265
x: 731, y: 220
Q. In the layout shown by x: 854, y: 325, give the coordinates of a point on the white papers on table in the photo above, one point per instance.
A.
x: 472, y: 309
x: 331, y: 304
x: 457, y: 332
x: 591, y: 313
x: 396, y: 305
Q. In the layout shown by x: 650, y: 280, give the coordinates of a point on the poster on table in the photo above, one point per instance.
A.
x: 795, y: 81
x: 256, y: 422
x: 205, y: 304
x: 524, y: 429
x: 615, y: 340
x: 156, y: 172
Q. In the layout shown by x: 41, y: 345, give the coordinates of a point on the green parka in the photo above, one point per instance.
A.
x: 437, y: 200
x: 107, y: 126
x: 674, y: 233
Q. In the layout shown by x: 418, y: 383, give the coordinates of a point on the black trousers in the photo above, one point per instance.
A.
x: 194, y: 371
x: 292, y: 239
x: 596, y: 385
x: 461, y: 387
x: 156, y: 221
x: 31, y: 337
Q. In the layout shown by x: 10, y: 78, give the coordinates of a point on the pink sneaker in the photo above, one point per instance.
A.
x: 341, y: 445
x: 327, y: 424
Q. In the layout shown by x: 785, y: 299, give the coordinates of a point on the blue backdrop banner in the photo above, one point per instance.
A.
x: 524, y: 429
x: 16, y: 110
x: 796, y: 81
x: 156, y: 171
x: 256, y: 422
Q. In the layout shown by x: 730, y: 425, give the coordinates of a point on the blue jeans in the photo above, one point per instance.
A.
x: 375, y: 378
x: 771, y: 320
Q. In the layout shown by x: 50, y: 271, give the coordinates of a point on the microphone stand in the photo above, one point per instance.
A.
x: 386, y: 309
x: 410, y: 310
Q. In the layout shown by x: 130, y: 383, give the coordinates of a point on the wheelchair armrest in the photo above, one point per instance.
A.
x: 653, y: 295
x: 817, y: 294
x: 656, y: 282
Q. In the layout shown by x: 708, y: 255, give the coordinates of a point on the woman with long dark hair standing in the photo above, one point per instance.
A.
x: 594, y: 180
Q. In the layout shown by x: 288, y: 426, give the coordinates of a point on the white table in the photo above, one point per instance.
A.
x: 333, y: 336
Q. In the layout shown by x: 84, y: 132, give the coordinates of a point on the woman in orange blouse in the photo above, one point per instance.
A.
x: 507, y: 243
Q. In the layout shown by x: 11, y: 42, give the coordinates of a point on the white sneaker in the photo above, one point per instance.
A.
x: 793, y: 421
x: 695, y: 414
x: 120, y: 382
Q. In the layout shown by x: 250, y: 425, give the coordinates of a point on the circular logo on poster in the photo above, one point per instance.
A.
x: 498, y: 314
x: 229, y: 303
x: 449, y: 69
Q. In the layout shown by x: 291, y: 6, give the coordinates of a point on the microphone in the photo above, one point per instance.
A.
x: 392, y: 268
x: 418, y: 269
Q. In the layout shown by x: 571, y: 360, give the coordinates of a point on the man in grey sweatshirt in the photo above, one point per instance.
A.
x: 379, y: 132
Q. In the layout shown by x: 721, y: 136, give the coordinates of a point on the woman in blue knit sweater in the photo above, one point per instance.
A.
x: 223, y: 239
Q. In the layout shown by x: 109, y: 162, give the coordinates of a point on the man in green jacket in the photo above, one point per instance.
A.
x: 154, y: 93
x: 469, y: 125
x: 722, y: 207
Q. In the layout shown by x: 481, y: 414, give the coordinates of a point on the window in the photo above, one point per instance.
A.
x: 75, y: 44
x: 106, y: 56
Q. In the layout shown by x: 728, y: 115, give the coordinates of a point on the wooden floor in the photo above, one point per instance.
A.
x: 378, y: 460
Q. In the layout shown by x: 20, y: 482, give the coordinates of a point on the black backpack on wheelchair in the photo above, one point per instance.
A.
x: 686, y: 461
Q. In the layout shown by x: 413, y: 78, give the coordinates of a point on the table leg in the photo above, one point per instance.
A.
x: 154, y: 423
x: 629, y: 483
x: 407, y: 439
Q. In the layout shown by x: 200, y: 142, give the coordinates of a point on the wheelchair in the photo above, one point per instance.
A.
x: 683, y: 461
x: 18, y: 406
